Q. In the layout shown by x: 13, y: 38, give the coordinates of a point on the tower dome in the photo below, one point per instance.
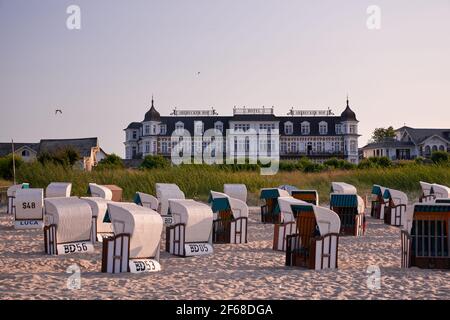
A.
x: 152, y: 114
x: 348, y: 114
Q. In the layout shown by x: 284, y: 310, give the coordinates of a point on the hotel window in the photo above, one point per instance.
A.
x: 288, y: 128
x: 164, y: 148
x: 319, y: 147
x: 147, y: 147
x: 283, y: 147
x: 153, y: 129
x: 155, y: 147
x: 242, y: 127
x: 163, y: 129
x: 198, y: 127
x: 147, y: 130
x: 267, y: 126
x: 338, y: 129
x: 352, y: 129
x: 134, y: 134
x: 305, y: 128
x: 179, y: 126
x: 323, y: 127
x: 353, y: 146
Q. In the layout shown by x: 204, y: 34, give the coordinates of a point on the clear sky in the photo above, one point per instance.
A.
x: 289, y: 53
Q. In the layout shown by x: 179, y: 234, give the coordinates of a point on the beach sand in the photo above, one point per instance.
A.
x: 247, y: 271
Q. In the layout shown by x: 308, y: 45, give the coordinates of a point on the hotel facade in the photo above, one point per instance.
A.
x: 316, y: 134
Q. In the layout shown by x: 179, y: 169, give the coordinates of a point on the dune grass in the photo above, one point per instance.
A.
x: 197, y: 181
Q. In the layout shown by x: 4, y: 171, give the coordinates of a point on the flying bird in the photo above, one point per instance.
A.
x: 198, y: 73
x: 58, y: 111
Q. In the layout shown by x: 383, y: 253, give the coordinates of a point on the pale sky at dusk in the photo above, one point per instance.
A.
x: 289, y: 53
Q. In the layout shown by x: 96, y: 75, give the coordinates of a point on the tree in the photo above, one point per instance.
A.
x: 112, y: 161
x: 66, y: 156
x: 6, y: 166
x: 380, y: 134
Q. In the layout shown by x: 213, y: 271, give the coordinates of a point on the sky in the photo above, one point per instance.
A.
x: 290, y: 53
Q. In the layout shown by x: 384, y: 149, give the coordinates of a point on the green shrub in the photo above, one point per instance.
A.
x: 440, y: 157
x: 155, y: 162
x: 112, y: 161
x: 6, y: 166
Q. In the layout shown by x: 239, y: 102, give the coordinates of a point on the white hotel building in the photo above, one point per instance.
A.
x: 318, y: 135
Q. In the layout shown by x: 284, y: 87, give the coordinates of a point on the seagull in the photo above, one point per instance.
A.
x: 198, y: 73
x: 58, y: 111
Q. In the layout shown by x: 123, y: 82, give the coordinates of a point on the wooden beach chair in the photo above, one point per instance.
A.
x: 11, y: 195
x: 378, y: 202
x: 135, y: 245
x: 350, y: 209
x: 230, y: 218
x: 395, y: 210
x: 315, y: 244
x: 191, y: 232
x: 101, y: 221
x: 425, y: 239
x: 270, y: 211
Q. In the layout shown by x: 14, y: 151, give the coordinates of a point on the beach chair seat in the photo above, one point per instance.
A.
x: 58, y: 190
x: 289, y: 208
x: 29, y: 209
x: 101, y: 224
x: 11, y: 195
x: 378, y: 202
x: 315, y: 243
x: 425, y: 238
x: 350, y: 209
x: 191, y: 232
x: 270, y: 211
x: 164, y: 192
x: 396, y: 209
x: 68, y: 226
x: 135, y: 245
x: 236, y: 191
x: 230, y: 218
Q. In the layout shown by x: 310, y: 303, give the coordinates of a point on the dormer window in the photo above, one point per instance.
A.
x: 198, y: 127
x: 218, y: 126
x: 323, y: 127
x: 288, y: 128
x: 179, y: 126
x: 305, y: 128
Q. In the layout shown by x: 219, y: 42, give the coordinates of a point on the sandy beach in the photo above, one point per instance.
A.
x: 248, y: 271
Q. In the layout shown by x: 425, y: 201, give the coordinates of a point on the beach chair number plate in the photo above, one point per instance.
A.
x: 28, y: 224
x: 168, y: 220
x: 76, y: 247
x: 198, y: 249
x: 144, y: 265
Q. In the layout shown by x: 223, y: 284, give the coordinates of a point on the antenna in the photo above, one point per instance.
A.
x: 14, y: 161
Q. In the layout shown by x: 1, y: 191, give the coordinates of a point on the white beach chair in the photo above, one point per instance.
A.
x: 230, y: 218
x: 101, y: 224
x: 68, y: 226
x: 396, y: 208
x: 350, y: 208
x: 427, y: 195
x: 440, y: 191
x: 164, y: 192
x: 191, y: 233
x: 29, y: 209
x: 11, y: 195
x: 135, y: 246
x: 58, y: 190
x: 236, y: 191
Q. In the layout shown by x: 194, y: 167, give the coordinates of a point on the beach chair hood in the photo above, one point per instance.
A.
x: 99, y: 207
x: 398, y: 197
x: 221, y: 201
x: 146, y: 200
x: 58, y: 190
x: 72, y: 216
x: 166, y: 191
x: 100, y: 191
x: 286, y: 204
x: 197, y: 217
x: 441, y: 191
x: 144, y: 225
x: 342, y: 187
x: 236, y: 191
x: 327, y: 220
x: 426, y: 188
